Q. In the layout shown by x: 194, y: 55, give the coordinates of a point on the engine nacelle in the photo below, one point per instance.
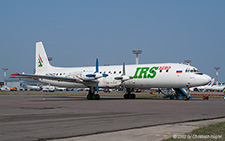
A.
x: 123, y: 78
x: 92, y: 76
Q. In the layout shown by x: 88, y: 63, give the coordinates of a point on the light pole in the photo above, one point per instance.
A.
x: 4, y: 69
x: 137, y: 52
x: 217, y: 69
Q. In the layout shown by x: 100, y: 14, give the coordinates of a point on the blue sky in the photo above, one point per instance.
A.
x: 75, y: 32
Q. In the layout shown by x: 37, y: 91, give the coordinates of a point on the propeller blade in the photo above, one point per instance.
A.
x: 97, y: 72
x: 124, y: 68
x: 96, y: 64
x: 124, y: 73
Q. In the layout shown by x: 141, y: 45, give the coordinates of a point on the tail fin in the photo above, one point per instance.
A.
x: 41, y: 60
x: 211, y: 83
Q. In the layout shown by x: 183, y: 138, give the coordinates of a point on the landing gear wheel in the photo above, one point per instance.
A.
x: 93, y: 96
x: 97, y: 97
x: 133, y: 96
x: 129, y: 96
x: 126, y: 96
x: 185, y: 98
x: 89, y: 97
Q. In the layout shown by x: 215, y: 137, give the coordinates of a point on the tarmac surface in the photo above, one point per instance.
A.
x: 47, y: 117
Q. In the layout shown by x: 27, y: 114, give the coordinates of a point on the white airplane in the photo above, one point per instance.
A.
x: 5, y: 89
x: 203, y: 88
x: 209, y: 87
x: 31, y: 87
x: 163, y: 75
x: 219, y: 88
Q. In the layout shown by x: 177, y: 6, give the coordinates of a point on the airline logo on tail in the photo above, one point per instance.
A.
x: 40, y: 61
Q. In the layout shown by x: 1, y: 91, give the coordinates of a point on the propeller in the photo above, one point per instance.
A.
x: 96, y: 75
x: 123, y: 78
x: 97, y: 68
x: 124, y: 73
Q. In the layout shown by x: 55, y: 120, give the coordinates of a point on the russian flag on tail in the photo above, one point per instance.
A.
x: 179, y: 71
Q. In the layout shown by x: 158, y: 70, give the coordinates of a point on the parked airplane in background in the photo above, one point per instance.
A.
x: 209, y: 87
x: 31, y: 87
x: 163, y: 75
x: 203, y: 88
x: 219, y: 88
x: 5, y: 89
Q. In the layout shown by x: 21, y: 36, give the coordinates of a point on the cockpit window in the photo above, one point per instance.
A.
x: 187, y: 70
x: 194, y: 70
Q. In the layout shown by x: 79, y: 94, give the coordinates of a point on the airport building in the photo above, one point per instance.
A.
x: 21, y: 84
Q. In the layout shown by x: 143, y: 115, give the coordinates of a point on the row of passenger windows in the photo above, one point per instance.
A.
x: 59, y: 74
x: 114, y: 72
x: 104, y: 72
x: 121, y: 72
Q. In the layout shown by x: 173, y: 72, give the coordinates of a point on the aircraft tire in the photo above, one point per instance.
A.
x: 89, y: 97
x: 129, y: 96
x: 97, y: 97
x: 126, y: 96
x: 93, y: 96
x: 132, y: 96
x: 185, y: 98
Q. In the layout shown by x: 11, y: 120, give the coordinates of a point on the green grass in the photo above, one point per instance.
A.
x: 214, y: 130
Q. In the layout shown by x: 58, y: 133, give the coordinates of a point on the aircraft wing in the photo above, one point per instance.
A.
x: 33, y: 76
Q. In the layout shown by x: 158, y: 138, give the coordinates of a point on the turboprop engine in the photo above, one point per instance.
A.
x: 92, y: 76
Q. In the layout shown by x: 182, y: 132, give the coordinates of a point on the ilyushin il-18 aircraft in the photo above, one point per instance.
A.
x: 162, y: 75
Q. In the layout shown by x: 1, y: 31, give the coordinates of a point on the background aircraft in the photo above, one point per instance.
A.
x: 209, y: 87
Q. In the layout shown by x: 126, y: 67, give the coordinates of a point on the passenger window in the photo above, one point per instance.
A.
x: 160, y: 71
x: 114, y: 72
x: 119, y: 72
x: 167, y: 70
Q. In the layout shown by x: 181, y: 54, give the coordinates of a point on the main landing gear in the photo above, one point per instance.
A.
x: 91, y: 94
x: 129, y: 95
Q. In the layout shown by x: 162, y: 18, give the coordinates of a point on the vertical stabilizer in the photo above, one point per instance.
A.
x: 211, y: 83
x: 41, y: 60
